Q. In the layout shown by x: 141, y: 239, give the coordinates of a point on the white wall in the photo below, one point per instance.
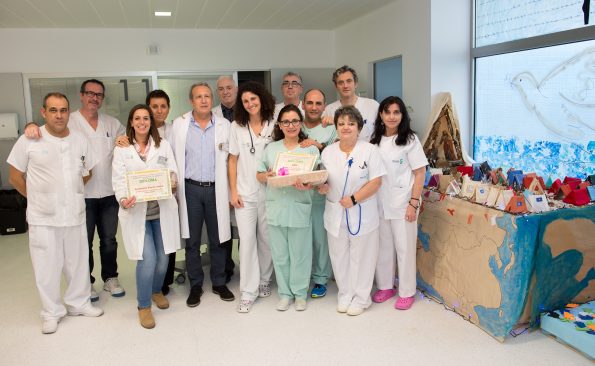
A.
x: 433, y: 37
x: 451, y: 59
x: 107, y: 50
x: 399, y: 28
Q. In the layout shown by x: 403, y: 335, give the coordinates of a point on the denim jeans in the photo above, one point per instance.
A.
x: 150, y: 271
x: 103, y: 213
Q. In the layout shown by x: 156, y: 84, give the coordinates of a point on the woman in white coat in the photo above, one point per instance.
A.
x: 250, y: 134
x: 355, y: 171
x: 150, y: 229
x: 400, y: 198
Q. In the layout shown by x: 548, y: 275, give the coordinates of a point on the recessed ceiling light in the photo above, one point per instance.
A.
x: 163, y: 13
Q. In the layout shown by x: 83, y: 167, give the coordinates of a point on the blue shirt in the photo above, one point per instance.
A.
x: 200, y: 152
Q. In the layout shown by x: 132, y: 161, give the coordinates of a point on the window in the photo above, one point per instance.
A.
x: 535, y: 102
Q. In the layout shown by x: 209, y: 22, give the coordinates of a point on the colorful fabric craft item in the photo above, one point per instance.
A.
x: 283, y: 171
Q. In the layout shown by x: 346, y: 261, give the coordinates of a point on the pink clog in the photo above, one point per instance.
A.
x: 383, y: 295
x: 404, y: 303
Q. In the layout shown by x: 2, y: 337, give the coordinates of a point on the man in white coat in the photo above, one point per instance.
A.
x: 51, y: 172
x: 200, y: 141
x: 292, y: 89
x: 100, y: 130
x: 345, y: 80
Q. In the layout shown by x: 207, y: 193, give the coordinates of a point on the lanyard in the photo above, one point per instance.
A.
x: 359, y: 225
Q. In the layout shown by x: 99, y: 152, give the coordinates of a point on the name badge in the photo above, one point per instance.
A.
x: 162, y: 160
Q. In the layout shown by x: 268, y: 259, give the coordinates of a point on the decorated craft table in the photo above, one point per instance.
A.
x: 499, y: 270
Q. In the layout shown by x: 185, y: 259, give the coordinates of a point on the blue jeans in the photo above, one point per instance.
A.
x: 150, y: 271
x: 103, y: 213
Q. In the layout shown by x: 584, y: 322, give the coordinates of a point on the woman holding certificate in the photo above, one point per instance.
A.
x: 148, y: 212
x: 400, y: 199
x: 355, y: 171
x: 289, y: 209
x: 249, y: 134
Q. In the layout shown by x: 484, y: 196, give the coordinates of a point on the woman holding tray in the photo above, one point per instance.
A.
x: 400, y: 199
x: 150, y: 230
x: 289, y: 212
x: 355, y: 171
x: 250, y: 133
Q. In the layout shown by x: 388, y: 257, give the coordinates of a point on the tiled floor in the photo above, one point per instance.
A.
x: 215, y: 334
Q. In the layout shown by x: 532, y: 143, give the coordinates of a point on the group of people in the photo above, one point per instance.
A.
x: 220, y: 159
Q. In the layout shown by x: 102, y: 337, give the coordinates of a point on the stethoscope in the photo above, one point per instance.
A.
x: 359, y: 225
x: 252, y: 149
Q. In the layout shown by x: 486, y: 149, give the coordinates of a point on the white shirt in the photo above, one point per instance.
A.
x: 54, y: 169
x: 240, y: 144
x: 397, y: 184
x: 102, y: 142
x: 367, y: 165
x: 368, y: 109
x: 280, y: 106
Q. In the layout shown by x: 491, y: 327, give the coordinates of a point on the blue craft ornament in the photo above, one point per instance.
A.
x: 585, y: 316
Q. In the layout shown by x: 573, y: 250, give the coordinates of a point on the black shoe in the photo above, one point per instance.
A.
x: 165, y: 289
x: 194, y: 297
x: 223, y: 293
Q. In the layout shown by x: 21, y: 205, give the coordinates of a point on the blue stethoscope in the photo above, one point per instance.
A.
x: 359, y: 225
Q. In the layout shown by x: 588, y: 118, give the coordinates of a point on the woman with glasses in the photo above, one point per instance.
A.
x: 289, y: 213
x: 250, y: 133
x: 151, y: 229
x: 355, y: 171
x: 400, y: 199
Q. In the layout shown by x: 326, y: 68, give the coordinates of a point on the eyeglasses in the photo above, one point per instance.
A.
x: 293, y: 84
x: 286, y: 122
x: 91, y: 94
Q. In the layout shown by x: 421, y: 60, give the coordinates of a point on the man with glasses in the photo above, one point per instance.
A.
x: 51, y: 172
x: 345, y: 80
x: 291, y: 87
x: 227, y: 91
x: 101, y: 131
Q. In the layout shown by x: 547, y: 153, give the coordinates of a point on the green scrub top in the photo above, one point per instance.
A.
x: 324, y: 135
x: 286, y: 206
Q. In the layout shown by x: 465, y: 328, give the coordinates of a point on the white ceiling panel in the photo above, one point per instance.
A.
x: 186, y: 14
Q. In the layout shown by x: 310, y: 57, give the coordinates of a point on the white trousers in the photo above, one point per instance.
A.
x: 397, y: 237
x: 354, y: 259
x: 256, y: 263
x: 57, y: 250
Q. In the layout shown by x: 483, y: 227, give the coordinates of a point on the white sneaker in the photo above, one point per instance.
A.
x: 244, y: 306
x: 94, y: 294
x: 354, y: 311
x: 283, y: 304
x: 342, y: 308
x: 88, y: 310
x: 300, y: 304
x: 264, y: 290
x: 49, y: 326
x: 112, y: 285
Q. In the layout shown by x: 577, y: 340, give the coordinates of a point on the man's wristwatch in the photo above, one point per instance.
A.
x: 353, y: 200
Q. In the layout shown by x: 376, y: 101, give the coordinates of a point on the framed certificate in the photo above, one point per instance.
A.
x: 291, y: 163
x: 149, y: 185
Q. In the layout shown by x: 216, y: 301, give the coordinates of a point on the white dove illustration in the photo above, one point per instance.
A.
x: 564, y: 101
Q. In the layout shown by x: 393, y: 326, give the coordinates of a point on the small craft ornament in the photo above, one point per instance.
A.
x: 577, y: 197
x: 516, y: 205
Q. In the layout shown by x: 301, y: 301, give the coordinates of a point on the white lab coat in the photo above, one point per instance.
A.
x: 133, y: 219
x: 217, y: 111
x: 177, y: 138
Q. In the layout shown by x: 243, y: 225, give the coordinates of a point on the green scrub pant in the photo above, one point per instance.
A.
x: 321, y: 267
x: 291, y: 249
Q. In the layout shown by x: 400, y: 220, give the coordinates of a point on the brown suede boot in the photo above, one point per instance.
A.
x: 160, y: 300
x: 146, y: 318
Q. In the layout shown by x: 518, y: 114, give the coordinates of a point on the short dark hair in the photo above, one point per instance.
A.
x: 404, y: 131
x: 93, y: 81
x: 278, y: 133
x: 344, y: 69
x: 157, y: 93
x: 267, y: 103
x: 54, y: 95
x: 313, y: 89
x: 351, y: 112
x: 153, y: 132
